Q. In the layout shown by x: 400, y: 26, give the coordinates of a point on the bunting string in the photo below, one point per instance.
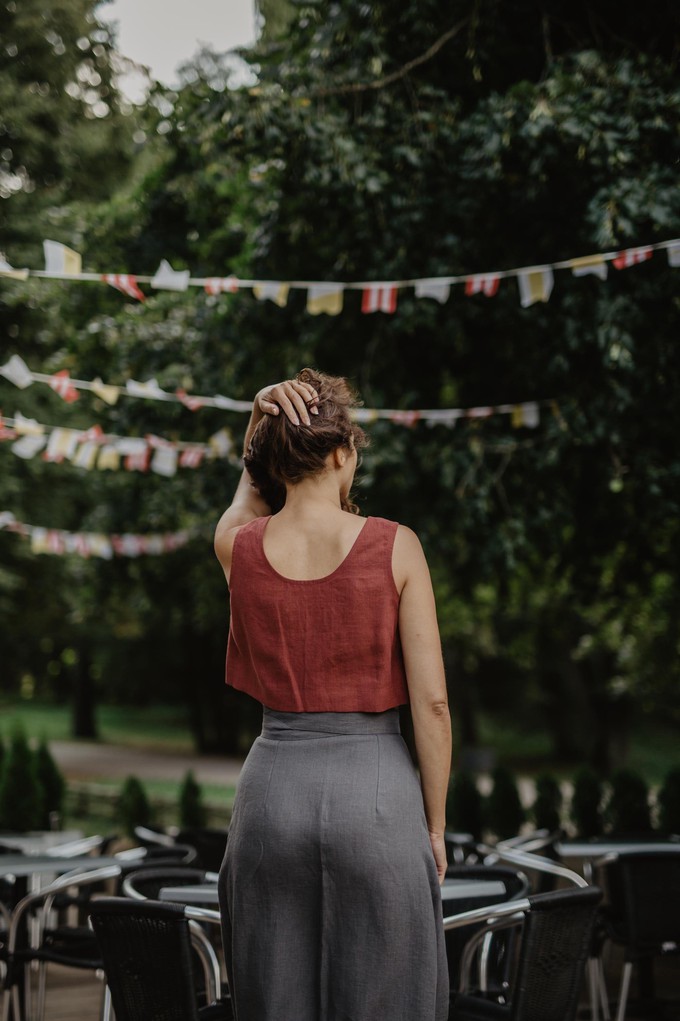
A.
x: 95, y: 544
x: 535, y: 283
x: 526, y: 414
x: 93, y: 448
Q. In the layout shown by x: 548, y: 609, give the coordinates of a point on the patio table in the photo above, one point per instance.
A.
x: 452, y: 889
x: 590, y: 850
x: 39, y: 841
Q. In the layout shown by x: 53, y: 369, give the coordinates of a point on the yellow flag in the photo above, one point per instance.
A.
x: 109, y: 394
x: 109, y: 458
x: 535, y: 285
x: 594, y: 264
x: 272, y: 290
x: 324, y: 298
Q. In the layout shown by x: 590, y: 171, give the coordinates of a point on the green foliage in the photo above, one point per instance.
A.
x: 525, y: 136
x: 504, y: 812
x: 52, y: 784
x: 464, y: 805
x: 21, y: 797
x: 586, y: 803
x: 133, y: 808
x: 668, y: 800
x: 627, y: 808
x: 192, y: 813
x: 546, y: 809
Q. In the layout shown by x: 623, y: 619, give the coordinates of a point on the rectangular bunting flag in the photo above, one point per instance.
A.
x: 631, y: 257
x: 324, y: 298
x: 61, y: 260
x: 126, y: 283
x: 379, y: 298
x: 593, y: 265
x: 535, y: 285
x: 482, y: 283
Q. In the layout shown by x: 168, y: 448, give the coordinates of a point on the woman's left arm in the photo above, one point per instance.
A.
x: 295, y: 400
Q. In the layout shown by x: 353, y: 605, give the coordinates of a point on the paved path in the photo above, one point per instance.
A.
x: 93, y: 760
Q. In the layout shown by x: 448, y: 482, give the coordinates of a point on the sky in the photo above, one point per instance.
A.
x: 161, y: 34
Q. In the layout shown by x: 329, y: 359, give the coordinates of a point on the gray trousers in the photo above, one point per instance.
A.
x: 330, y: 903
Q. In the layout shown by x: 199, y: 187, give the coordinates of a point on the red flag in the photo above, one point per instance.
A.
x: 482, y: 284
x: 191, y: 457
x: 61, y: 384
x: 379, y: 298
x: 137, y: 462
x: 216, y: 285
x: 124, y: 282
x: 407, y: 418
x: 631, y: 256
x: 192, y: 403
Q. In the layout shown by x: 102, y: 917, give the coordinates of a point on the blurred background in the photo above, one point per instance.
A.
x: 351, y: 142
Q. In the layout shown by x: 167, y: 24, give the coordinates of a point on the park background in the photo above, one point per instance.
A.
x: 362, y: 142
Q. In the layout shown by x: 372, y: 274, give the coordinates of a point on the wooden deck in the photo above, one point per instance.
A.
x: 77, y: 996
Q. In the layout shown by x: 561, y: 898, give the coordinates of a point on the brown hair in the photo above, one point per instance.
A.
x: 281, y: 453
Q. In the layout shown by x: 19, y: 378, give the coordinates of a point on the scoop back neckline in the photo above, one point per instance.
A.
x: 309, y: 581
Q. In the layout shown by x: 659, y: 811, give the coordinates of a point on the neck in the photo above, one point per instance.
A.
x: 314, y: 495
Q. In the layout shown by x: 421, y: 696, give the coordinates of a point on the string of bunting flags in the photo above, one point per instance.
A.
x: 15, y: 370
x: 94, y: 544
x: 93, y: 448
x: 535, y: 283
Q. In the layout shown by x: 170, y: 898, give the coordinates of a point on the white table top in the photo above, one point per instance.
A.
x: 452, y: 889
x: 597, y: 849
x: 40, y: 841
x: 21, y: 865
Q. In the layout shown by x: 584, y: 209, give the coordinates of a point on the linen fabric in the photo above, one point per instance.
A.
x: 331, y: 907
x: 326, y: 645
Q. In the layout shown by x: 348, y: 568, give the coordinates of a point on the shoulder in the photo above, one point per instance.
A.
x: 227, y: 533
x: 408, y: 558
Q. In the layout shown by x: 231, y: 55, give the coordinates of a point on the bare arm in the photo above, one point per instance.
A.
x: 421, y: 646
x: 295, y: 400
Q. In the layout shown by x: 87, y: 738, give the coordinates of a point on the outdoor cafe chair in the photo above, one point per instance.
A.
x: 210, y: 844
x: 555, y: 932
x: 81, y: 951
x: 146, y: 883
x: 146, y: 947
x: 497, y: 948
x: 642, y: 913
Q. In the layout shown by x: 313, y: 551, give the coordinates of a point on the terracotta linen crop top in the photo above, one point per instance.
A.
x: 326, y: 645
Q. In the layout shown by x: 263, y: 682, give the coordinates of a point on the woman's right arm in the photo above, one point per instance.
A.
x: 295, y: 400
x: 421, y: 646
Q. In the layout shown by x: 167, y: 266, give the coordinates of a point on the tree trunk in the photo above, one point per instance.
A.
x: 84, y: 722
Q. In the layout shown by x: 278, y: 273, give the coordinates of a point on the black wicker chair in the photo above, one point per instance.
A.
x: 147, y: 949
x: 556, y: 931
x: 146, y: 883
x: 642, y: 913
x: 210, y: 845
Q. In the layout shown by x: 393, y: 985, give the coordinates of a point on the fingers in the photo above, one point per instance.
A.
x: 296, y: 400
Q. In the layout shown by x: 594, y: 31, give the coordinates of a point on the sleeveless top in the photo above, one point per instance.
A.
x: 325, y: 645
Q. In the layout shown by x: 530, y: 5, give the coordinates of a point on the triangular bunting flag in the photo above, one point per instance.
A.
x: 126, y: 283
x: 379, y: 298
x: 325, y: 298
x: 148, y: 389
x: 109, y: 394
x: 61, y: 260
x: 192, y: 403
x: 535, y: 285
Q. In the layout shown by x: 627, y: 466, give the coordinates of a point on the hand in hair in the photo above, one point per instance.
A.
x: 295, y: 399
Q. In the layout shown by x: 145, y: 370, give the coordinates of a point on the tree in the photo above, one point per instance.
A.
x: 191, y: 808
x: 52, y: 785
x: 133, y: 808
x: 21, y: 797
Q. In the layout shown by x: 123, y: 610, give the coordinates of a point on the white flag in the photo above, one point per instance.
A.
x: 590, y: 264
x: 62, y: 444
x: 164, y: 461
x: 272, y: 290
x: 433, y: 289
x: 148, y: 389
x: 674, y: 254
x: 28, y: 446
x: 168, y: 279
x: 17, y: 371
x: 9, y: 271
x: 61, y: 260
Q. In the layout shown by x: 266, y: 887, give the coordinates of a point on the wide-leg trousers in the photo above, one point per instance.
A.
x: 331, y: 908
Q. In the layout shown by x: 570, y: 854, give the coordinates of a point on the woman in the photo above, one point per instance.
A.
x: 329, y: 889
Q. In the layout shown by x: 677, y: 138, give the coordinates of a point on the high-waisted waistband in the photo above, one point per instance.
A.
x: 300, y: 726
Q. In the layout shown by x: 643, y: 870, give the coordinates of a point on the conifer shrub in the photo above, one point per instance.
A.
x: 464, y: 805
x: 504, y: 812
x: 586, y: 804
x: 627, y: 810
x: 668, y: 801
x: 52, y: 784
x: 133, y: 808
x: 546, y: 810
x: 21, y: 796
x: 191, y: 808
